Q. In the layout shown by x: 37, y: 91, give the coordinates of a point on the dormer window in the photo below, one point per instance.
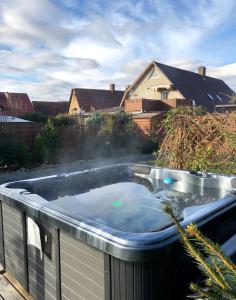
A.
x: 164, y: 95
x: 210, y: 96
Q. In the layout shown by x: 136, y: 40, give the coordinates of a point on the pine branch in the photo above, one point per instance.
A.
x: 206, y: 294
x: 192, y: 249
x: 210, y: 247
x: 219, y: 271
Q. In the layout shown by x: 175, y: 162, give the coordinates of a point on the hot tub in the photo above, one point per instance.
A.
x: 102, y: 233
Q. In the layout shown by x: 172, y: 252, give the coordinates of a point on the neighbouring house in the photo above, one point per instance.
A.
x: 15, y: 104
x: 88, y: 100
x: 50, y: 108
x: 161, y: 87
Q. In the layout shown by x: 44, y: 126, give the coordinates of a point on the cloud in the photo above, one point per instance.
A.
x: 47, y: 47
x: 227, y: 73
x: 28, y: 24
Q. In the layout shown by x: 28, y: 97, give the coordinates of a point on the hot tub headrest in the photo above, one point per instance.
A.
x: 141, y: 169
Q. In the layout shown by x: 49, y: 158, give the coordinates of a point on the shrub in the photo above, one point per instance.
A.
x: 112, y: 135
x: 170, y: 116
x: 23, y: 155
x: 95, y: 119
x: 39, y: 150
x: 51, y: 142
x: 63, y: 120
x: 13, y: 151
x: 35, y: 117
x: 199, y: 142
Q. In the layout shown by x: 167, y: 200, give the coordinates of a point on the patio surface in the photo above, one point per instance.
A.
x: 7, y: 291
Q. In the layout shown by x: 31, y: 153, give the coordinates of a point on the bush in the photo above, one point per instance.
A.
x: 23, y: 155
x: 203, y: 142
x: 13, y: 151
x: 51, y: 142
x: 112, y: 135
x: 39, y: 150
x: 95, y: 119
x: 63, y: 120
x: 35, y: 117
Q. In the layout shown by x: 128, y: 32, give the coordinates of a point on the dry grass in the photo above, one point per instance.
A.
x: 206, y: 143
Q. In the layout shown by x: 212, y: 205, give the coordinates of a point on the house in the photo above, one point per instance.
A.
x: 15, y: 104
x: 87, y: 100
x: 50, y: 108
x: 161, y: 87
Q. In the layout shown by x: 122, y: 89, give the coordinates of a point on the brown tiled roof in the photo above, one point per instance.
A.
x: 15, y: 104
x: 206, y: 91
x: 50, y: 108
x: 97, y: 99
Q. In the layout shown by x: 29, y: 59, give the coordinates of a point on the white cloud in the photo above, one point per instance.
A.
x: 51, y: 48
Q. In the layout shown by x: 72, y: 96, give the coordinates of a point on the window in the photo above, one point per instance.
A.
x: 219, y: 98
x: 164, y: 95
x: 210, y: 96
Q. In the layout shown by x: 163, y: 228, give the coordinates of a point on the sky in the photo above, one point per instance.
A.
x: 48, y: 47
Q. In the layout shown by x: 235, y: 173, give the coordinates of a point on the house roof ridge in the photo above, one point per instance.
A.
x: 93, y: 89
x: 183, y: 70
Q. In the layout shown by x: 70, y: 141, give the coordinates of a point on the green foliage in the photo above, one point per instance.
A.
x: 13, y: 151
x: 233, y: 99
x: 35, y: 117
x: 112, y: 135
x: 201, y: 142
x: 51, y: 142
x: 39, y: 150
x: 219, y: 271
x: 95, y: 119
x: 181, y: 110
x: 63, y: 120
x: 23, y: 155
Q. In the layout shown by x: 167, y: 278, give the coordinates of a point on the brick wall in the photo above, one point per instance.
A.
x: 144, y: 125
x: 150, y: 125
x: 133, y: 105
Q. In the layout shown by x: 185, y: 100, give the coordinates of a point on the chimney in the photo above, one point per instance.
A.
x: 112, y: 87
x: 202, y: 71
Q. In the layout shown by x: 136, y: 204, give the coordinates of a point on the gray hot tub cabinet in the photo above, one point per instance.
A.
x: 80, y: 259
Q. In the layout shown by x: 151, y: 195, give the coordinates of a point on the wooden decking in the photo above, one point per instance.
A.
x: 9, y: 288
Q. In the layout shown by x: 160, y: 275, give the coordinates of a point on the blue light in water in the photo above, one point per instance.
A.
x: 117, y: 203
x: 168, y: 180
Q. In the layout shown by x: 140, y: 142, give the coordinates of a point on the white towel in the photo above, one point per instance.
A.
x: 33, y: 235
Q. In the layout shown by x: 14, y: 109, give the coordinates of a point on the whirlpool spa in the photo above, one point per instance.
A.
x: 102, y: 234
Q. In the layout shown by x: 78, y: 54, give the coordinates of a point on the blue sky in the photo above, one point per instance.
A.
x: 48, y: 47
